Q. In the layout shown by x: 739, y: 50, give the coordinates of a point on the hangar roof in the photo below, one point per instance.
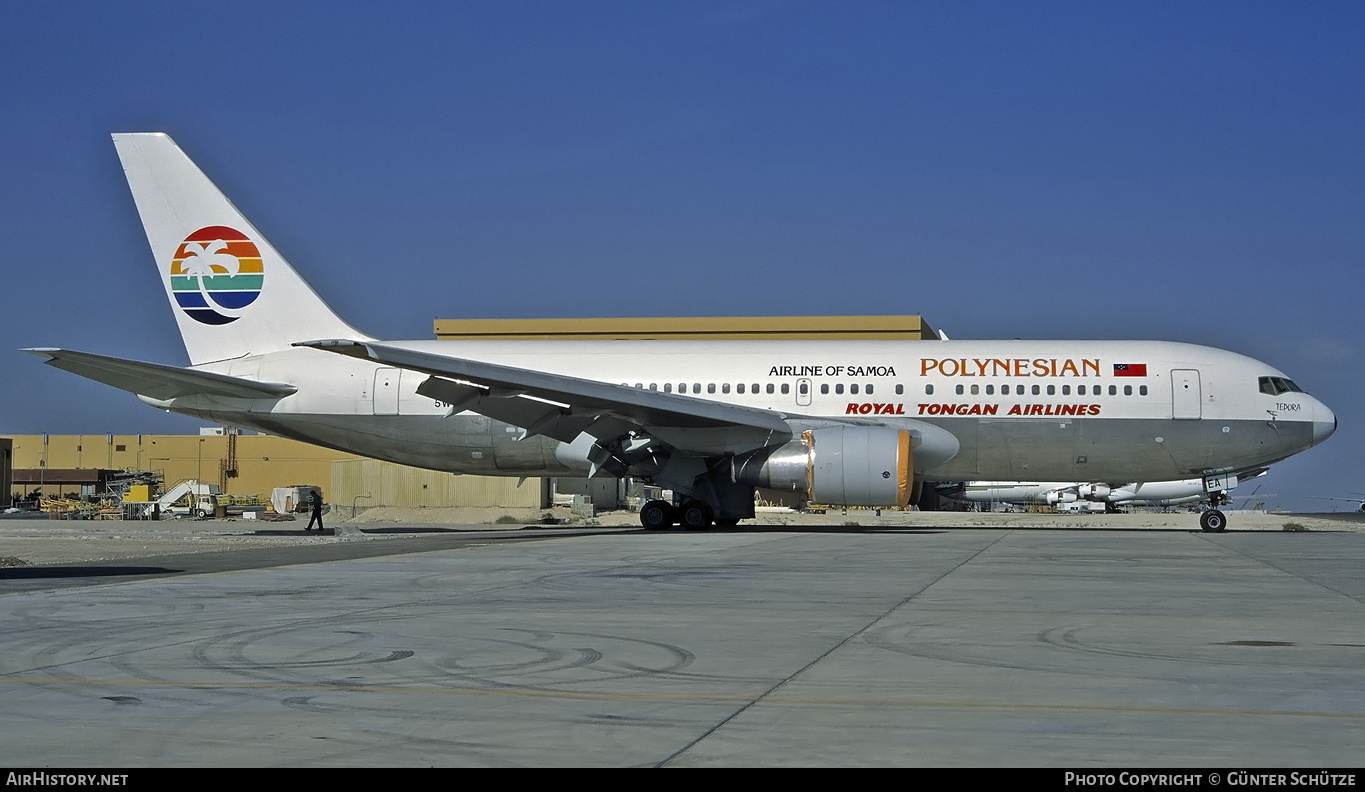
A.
x: 832, y: 328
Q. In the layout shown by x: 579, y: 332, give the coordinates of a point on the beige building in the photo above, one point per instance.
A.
x: 240, y: 465
x: 358, y: 484
x: 256, y: 465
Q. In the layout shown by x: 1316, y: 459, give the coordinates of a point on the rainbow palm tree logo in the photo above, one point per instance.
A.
x: 216, y: 273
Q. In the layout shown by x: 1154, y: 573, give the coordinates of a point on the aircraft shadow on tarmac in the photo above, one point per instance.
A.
x: 416, y: 529
x: 748, y: 529
x: 45, y: 572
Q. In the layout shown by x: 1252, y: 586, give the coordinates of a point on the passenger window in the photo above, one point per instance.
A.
x: 1036, y: 390
x: 990, y: 390
x: 1066, y: 390
x: 725, y: 388
x: 1113, y: 390
x: 929, y: 389
x: 770, y: 387
x: 900, y: 389
x: 668, y: 387
x: 839, y: 388
x: 1051, y: 390
x: 1142, y: 390
x: 805, y: 388
x: 710, y: 387
x: 869, y: 389
x: 696, y: 387
x: 1080, y: 390
x: 755, y: 388
x: 976, y: 389
x: 853, y: 389
x: 959, y: 389
x: 739, y: 388
x: 786, y: 388
x: 824, y: 388
x: 653, y: 386
x: 1127, y: 390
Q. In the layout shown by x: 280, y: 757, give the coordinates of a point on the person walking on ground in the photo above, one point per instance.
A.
x: 317, y: 512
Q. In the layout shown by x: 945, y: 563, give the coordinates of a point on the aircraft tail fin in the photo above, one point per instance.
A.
x: 233, y: 294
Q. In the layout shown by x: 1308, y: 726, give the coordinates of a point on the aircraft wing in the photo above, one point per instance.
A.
x: 562, y: 407
x: 157, y: 381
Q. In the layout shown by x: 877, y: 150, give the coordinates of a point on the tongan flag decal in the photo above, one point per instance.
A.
x: 1130, y: 369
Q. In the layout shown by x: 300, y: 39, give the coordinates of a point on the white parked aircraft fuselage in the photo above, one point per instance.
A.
x: 1097, y: 435
x: 1062, y: 493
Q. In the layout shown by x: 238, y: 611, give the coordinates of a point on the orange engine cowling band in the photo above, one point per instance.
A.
x: 844, y: 466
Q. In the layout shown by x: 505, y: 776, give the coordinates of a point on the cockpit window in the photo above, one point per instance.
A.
x: 1274, y: 386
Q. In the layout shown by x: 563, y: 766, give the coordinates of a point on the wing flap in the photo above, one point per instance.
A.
x: 535, y: 416
x: 158, y: 381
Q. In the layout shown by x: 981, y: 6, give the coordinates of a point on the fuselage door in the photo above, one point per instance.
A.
x: 386, y: 391
x: 803, y: 392
x: 1186, y: 401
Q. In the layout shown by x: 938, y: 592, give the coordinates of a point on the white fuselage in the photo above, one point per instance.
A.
x: 1009, y: 410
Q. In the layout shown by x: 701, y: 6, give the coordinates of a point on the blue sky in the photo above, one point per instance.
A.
x: 1181, y: 171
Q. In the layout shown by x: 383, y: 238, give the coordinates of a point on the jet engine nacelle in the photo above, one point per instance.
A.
x: 1054, y: 497
x: 1094, y: 492
x: 840, y: 466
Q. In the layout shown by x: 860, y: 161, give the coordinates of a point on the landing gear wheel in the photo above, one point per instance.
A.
x: 1213, y: 521
x: 657, y: 515
x: 696, y: 515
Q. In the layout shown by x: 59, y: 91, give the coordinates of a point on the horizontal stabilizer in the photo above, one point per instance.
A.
x: 157, y: 381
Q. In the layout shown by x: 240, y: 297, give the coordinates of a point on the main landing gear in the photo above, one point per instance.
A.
x: 1213, y: 521
x: 657, y: 515
x: 693, y: 514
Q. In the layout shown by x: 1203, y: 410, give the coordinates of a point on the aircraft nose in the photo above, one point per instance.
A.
x: 1324, y: 423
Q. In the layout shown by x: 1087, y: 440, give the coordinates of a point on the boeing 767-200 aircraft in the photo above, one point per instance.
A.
x: 852, y: 423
